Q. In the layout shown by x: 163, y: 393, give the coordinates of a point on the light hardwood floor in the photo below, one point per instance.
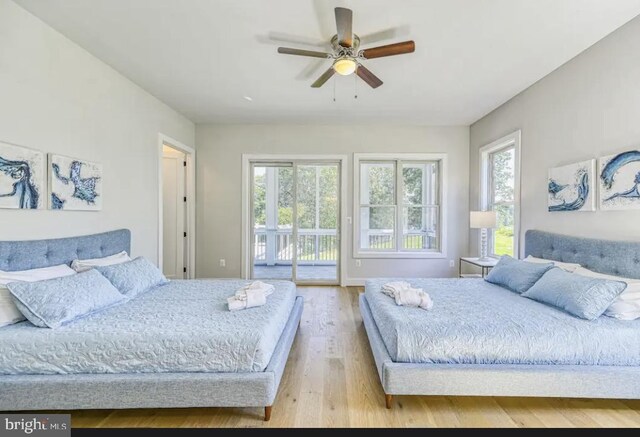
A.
x: 330, y: 381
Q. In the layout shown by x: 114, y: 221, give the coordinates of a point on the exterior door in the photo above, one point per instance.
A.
x: 295, y: 221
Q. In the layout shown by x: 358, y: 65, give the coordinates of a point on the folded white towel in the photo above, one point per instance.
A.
x: 414, y: 297
x: 250, y: 296
x: 391, y: 288
x: 405, y: 295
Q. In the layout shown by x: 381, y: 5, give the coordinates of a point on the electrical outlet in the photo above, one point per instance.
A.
x: 358, y: 263
x: 349, y: 220
x: 451, y: 263
x: 223, y: 263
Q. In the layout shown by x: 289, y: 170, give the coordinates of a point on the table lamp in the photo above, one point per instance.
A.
x: 483, y: 220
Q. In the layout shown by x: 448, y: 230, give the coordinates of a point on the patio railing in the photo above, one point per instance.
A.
x: 383, y: 239
x: 315, y: 246
x: 320, y: 246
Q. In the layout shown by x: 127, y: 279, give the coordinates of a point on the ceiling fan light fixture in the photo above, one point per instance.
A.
x: 345, y: 66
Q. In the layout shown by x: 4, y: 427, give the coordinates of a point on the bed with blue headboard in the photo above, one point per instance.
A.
x: 175, y: 346
x: 483, y: 340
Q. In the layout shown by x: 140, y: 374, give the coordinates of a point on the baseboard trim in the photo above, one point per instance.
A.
x: 354, y: 282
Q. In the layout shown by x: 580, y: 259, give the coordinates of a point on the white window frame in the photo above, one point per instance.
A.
x: 398, y: 252
x: 511, y: 140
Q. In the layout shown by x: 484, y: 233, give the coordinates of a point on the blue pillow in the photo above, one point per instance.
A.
x: 55, y: 302
x: 133, y: 277
x: 581, y: 296
x: 516, y: 275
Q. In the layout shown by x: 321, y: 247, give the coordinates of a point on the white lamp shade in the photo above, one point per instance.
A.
x: 483, y: 219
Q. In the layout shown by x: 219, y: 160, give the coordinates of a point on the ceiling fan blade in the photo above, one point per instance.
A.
x: 390, y: 50
x: 298, y: 52
x: 322, y: 79
x: 368, y: 77
x: 344, y: 23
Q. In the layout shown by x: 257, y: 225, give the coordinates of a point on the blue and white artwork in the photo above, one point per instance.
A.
x: 22, y: 180
x: 571, y: 187
x: 76, y: 185
x: 620, y: 181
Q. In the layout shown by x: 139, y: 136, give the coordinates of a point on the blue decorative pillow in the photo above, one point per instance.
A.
x: 134, y: 277
x: 516, y: 275
x: 58, y: 301
x: 584, y: 297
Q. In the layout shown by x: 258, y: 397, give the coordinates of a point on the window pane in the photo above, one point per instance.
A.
x: 412, y: 181
x: 329, y: 197
x: 503, y: 175
x: 285, y: 197
x: 306, y: 187
x: 420, y: 228
x: 420, y: 183
x: 377, y: 184
x: 503, y: 234
x: 259, y: 196
x: 377, y: 227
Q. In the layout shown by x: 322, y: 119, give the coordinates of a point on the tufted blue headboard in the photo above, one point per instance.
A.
x: 33, y: 254
x: 619, y: 258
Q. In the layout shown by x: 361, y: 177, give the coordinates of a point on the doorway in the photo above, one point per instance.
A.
x: 176, y: 215
x: 295, y: 220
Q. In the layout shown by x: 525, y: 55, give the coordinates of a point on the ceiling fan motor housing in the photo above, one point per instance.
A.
x: 355, y: 45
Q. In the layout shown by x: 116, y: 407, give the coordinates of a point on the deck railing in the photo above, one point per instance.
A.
x: 315, y: 246
x: 320, y: 246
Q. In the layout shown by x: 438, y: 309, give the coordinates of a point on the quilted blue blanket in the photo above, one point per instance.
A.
x: 180, y: 327
x: 474, y: 322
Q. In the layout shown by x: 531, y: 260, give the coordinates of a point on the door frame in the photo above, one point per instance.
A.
x: 247, y: 159
x: 190, y: 188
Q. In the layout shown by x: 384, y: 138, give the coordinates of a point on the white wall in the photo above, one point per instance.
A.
x: 220, y: 149
x: 589, y: 107
x: 56, y: 97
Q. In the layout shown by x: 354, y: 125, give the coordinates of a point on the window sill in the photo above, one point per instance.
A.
x: 401, y: 255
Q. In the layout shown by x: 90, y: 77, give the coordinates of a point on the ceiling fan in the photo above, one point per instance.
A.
x: 347, y: 55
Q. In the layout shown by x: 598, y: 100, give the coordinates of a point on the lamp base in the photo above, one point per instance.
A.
x: 485, y: 259
x: 483, y: 246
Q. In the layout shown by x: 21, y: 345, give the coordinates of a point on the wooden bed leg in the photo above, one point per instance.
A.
x: 267, y: 413
x: 388, y: 399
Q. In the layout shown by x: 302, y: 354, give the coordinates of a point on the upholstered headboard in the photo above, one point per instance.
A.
x: 33, y: 254
x: 619, y: 258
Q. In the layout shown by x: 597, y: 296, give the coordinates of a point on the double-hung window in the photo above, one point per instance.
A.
x: 399, y: 205
x: 500, y: 174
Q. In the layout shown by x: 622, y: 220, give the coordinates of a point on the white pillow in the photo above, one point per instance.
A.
x: 627, y: 305
x: 568, y: 267
x: 9, y: 313
x: 82, y: 265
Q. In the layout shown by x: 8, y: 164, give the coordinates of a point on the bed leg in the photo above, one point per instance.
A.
x: 388, y: 399
x: 267, y: 413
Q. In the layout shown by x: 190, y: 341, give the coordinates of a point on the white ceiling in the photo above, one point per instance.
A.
x: 202, y: 56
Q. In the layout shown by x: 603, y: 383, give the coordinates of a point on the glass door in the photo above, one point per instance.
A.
x: 295, y: 221
x: 272, y: 221
x: 317, y: 224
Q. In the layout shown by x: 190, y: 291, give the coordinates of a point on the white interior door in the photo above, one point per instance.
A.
x: 174, y: 213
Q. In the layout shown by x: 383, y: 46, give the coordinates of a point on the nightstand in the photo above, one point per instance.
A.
x: 485, y: 266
